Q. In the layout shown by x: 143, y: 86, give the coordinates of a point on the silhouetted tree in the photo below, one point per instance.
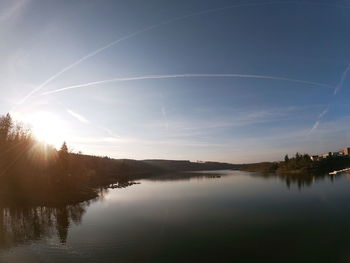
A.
x: 32, y: 173
x: 286, y: 158
x: 63, y: 156
x: 64, y: 148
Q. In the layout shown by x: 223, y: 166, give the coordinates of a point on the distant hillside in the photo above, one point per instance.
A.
x: 172, y: 165
x: 265, y: 167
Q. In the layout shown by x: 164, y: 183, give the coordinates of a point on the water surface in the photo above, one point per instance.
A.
x: 239, y: 217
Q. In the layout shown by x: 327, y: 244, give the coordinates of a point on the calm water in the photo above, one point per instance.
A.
x: 240, y: 217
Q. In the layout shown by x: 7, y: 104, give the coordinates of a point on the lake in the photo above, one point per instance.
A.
x: 234, y: 217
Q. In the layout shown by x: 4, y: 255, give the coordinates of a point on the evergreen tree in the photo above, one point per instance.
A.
x: 6, y: 125
x: 63, y: 156
x: 286, y: 158
x: 64, y: 148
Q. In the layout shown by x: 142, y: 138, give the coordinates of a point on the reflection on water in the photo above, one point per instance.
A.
x: 308, y: 181
x: 187, y: 176
x: 199, y: 217
x: 21, y: 225
x: 299, y: 180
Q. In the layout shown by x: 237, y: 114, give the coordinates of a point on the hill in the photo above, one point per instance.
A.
x: 184, y: 165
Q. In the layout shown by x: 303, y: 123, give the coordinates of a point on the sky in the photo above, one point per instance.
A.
x: 232, y: 81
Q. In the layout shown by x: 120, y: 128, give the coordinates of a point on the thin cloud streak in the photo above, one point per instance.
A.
x: 336, y: 90
x: 240, y: 146
x: 129, y: 140
x: 314, y: 127
x: 233, y: 119
x: 171, y: 76
x: 166, y: 22
x: 92, y: 54
x: 342, y: 80
x: 13, y: 10
x: 317, y: 122
x: 324, y: 112
x: 78, y: 116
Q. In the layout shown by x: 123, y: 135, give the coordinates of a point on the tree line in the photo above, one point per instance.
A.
x: 35, y: 173
x: 301, y: 165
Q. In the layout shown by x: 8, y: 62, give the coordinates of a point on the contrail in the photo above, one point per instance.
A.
x: 10, y: 12
x: 324, y: 112
x: 318, y: 121
x: 314, y: 127
x: 247, y: 76
x: 78, y: 116
x: 342, y: 80
x: 166, y: 22
x: 92, y: 54
x: 336, y: 90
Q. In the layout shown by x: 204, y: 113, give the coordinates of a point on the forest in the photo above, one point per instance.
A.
x: 33, y: 173
x: 301, y: 165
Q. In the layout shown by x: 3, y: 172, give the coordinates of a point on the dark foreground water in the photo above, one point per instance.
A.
x: 240, y: 217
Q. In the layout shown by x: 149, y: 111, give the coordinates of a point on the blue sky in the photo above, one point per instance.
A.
x: 234, y: 81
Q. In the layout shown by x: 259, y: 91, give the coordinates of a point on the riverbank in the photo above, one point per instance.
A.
x: 301, y: 165
x: 76, y: 189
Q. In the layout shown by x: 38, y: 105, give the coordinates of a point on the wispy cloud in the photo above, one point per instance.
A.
x: 324, y: 112
x: 188, y: 75
x: 13, y: 10
x: 78, y: 116
x: 167, y: 22
x: 318, y: 120
x: 269, y: 146
x: 110, y: 132
x: 314, y: 127
x: 203, y: 126
x: 141, y: 141
x: 342, y: 80
x: 336, y: 90
x: 99, y: 139
x: 192, y: 133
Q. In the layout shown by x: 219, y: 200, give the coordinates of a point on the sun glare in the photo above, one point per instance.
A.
x: 46, y: 127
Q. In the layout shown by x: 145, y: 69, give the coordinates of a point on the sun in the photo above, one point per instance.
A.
x: 47, y: 127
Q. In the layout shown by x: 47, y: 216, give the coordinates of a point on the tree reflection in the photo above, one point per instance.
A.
x: 20, y: 225
x: 299, y: 180
x: 307, y: 180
